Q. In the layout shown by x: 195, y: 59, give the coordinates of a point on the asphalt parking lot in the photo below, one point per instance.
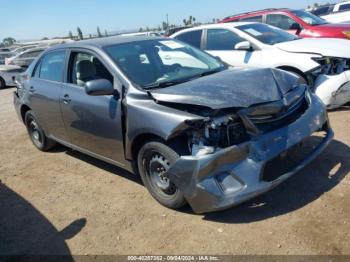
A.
x: 64, y: 202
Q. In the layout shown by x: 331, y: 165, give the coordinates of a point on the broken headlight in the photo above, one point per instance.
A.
x: 220, y: 133
x: 331, y: 65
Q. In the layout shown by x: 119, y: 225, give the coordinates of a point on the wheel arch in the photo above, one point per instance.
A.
x: 178, y: 143
x: 24, y: 110
x: 294, y: 70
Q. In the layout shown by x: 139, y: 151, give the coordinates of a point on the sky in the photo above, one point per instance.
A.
x: 35, y: 19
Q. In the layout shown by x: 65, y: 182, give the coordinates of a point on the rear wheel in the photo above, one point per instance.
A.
x: 36, y: 133
x: 2, y: 83
x: 154, y: 159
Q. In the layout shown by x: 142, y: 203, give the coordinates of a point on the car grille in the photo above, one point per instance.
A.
x: 267, y: 117
x: 268, y: 123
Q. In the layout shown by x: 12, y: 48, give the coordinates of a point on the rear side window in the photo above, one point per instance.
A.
x: 222, y: 39
x: 257, y: 19
x: 52, y: 65
x: 280, y: 21
x: 344, y: 7
x: 321, y: 11
x: 193, y: 38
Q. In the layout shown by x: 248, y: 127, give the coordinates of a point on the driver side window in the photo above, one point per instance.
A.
x: 222, y: 39
x: 280, y: 21
x: 84, y: 67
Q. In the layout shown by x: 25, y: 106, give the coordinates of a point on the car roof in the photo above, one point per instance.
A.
x: 105, y: 41
x: 220, y: 25
x: 258, y: 12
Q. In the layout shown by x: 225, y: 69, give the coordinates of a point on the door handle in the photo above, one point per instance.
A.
x: 66, y: 99
x: 31, y: 89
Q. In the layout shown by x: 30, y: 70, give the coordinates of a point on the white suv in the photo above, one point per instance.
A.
x: 323, y: 63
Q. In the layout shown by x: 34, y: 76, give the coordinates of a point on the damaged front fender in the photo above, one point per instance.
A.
x: 147, y: 117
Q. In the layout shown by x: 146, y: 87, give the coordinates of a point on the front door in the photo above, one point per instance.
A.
x: 93, y: 123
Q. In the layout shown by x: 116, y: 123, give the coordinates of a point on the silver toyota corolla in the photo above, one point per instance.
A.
x: 196, y: 131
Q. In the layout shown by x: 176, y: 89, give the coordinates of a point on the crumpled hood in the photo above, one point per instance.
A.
x: 323, y: 46
x: 230, y: 88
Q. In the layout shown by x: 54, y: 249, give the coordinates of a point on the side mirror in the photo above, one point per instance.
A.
x: 99, y: 87
x: 295, y: 26
x: 244, y: 45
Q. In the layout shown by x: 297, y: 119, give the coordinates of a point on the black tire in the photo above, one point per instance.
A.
x: 154, y: 155
x: 2, y: 83
x: 36, y: 133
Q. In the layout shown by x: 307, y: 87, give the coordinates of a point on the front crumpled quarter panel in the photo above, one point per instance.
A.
x: 145, y: 116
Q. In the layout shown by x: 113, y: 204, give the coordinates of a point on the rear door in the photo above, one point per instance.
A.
x: 93, y: 123
x: 45, y: 87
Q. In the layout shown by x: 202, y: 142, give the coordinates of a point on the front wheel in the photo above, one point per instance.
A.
x: 154, y: 159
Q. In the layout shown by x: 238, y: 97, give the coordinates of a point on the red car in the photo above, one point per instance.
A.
x: 299, y: 22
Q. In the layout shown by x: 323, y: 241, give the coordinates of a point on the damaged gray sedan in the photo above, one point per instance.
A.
x: 196, y: 131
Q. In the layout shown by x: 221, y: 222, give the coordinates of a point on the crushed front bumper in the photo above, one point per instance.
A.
x: 333, y: 90
x: 233, y: 175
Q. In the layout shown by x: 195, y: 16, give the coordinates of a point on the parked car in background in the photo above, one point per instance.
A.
x: 4, y: 49
x: 173, y: 30
x: 298, y: 22
x: 150, y: 33
x: 25, y: 58
x: 4, y: 56
x: 21, y: 49
x: 322, y: 63
x: 204, y: 134
x: 8, y: 75
x: 335, y: 13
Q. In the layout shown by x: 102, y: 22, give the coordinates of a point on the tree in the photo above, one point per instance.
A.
x: 106, y: 33
x: 70, y: 35
x: 45, y: 38
x: 164, y: 25
x: 99, y: 32
x: 8, y: 41
x: 80, y: 33
x: 190, y: 21
x: 141, y: 29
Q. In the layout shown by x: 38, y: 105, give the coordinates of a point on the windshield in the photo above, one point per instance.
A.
x: 309, y: 18
x: 156, y: 63
x: 267, y: 34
